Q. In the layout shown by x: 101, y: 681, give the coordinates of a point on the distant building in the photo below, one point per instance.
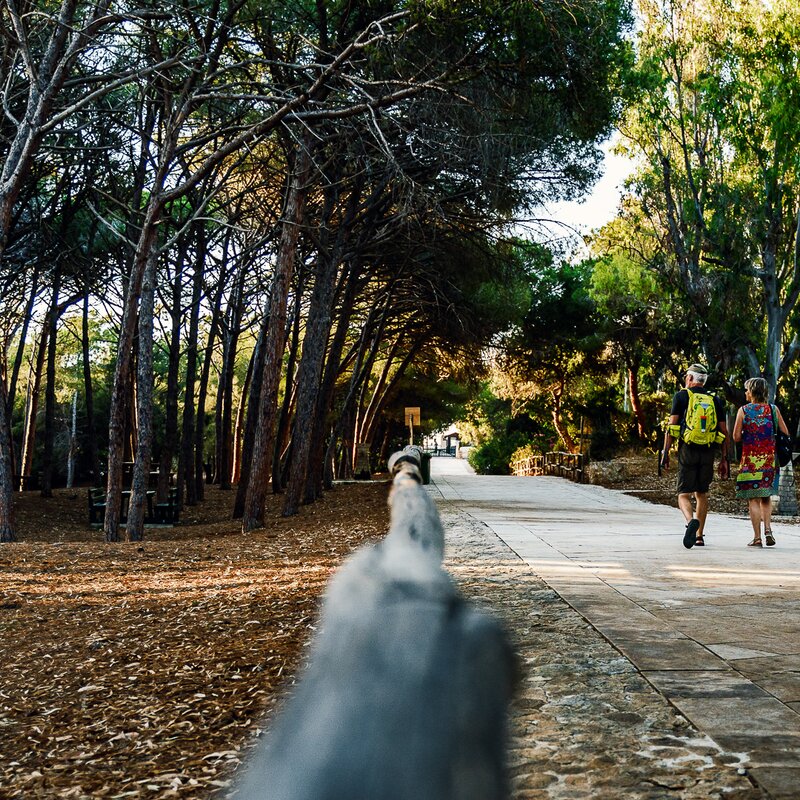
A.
x: 445, y: 442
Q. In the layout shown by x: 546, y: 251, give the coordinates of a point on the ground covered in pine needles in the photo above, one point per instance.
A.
x: 144, y: 670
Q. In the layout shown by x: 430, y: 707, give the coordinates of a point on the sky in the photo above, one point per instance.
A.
x: 601, y: 204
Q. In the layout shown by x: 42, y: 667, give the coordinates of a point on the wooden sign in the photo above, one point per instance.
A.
x: 412, y: 416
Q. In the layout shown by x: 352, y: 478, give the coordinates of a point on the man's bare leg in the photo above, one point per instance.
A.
x: 685, y: 505
x: 694, y: 520
x: 701, y: 498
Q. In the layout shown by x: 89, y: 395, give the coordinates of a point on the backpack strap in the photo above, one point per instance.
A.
x: 689, y: 395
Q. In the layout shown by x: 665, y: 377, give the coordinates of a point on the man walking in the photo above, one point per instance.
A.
x: 697, y: 422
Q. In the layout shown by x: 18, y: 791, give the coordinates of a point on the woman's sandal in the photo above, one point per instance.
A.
x: 756, y: 542
x: 770, y: 538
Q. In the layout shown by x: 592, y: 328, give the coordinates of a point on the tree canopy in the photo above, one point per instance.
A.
x: 272, y: 212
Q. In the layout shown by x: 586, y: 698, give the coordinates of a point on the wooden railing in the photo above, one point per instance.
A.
x: 559, y: 463
x: 533, y: 465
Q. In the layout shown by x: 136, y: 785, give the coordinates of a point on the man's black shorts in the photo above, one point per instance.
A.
x: 695, y: 468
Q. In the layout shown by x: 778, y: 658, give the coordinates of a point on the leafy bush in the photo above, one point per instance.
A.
x: 494, y: 456
x: 526, y: 451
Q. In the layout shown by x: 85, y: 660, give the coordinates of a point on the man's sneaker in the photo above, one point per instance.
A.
x: 690, y: 536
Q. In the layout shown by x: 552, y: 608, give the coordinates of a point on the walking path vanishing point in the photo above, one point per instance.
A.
x: 715, y: 630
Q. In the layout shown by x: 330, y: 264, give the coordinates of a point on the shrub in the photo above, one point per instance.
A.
x: 494, y: 456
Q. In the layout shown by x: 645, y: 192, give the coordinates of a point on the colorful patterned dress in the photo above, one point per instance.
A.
x: 758, y: 472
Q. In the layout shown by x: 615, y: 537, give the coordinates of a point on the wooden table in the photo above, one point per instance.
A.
x: 126, y: 499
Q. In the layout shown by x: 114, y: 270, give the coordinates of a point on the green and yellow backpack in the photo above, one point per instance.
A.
x: 700, y: 424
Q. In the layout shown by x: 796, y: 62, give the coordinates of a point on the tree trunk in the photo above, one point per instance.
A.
x: 362, y: 366
x: 23, y: 337
x: 170, y: 443
x: 200, y: 425
x: 558, y: 423
x: 364, y: 420
x: 636, y: 401
x: 32, y: 403
x: 309, y: 377
x: 7, y: 533
x: 251, y: 420
x: 73, y: 442
x: 144, y: 397
x: 238, y: 426
x: 775, y: 319
x: 316, y: 478
x: 50, y: 391
x: 380, y: 397
x: 131, y: 416
x: 310, y: 392
x: 275, y: 341
x: 186, y: 466
x: 224, y: 449
x: 121, y: 383
x: 88, y: 391
x: 369, y: 435
x: 285, y: 415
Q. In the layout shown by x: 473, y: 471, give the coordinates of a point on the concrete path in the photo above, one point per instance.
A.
x: 716, y: 630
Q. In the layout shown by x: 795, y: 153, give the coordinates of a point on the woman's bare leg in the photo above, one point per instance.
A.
x: 754, y: 507
x: 766, y: 512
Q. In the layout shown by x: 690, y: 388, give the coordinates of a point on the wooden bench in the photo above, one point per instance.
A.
x: 167, y: 513
x: 97, y: 506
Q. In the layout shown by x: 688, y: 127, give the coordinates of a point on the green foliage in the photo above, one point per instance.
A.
x: 526, y: 451
x: 494, y: 456
x: 498, y: 433
x: 715, y: 123
x: 623, y: 287
x: 600, y: 407
x: 485, y: 416
x: 440, y: 400
x: 561, y: 333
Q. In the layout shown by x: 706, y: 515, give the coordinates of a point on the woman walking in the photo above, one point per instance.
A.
x: 758, y: 474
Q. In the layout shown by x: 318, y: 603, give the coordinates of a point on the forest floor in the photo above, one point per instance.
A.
x: 144, y: 670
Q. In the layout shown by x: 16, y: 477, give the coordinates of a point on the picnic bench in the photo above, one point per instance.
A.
x: 97, y: 505
x: 166, y: 513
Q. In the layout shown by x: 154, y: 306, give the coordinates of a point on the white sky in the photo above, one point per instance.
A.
x: 601, y: 203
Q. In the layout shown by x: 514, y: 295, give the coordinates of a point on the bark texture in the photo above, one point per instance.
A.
x: 275, y: 343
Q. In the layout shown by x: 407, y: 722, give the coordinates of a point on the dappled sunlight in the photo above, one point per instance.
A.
x: 551, y: 568
x: 716, y: 576
x: 172, y: 584
x: 699, y: 576
x: 152, y: 663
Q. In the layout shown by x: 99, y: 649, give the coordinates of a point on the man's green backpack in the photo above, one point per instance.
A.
x: 700, y: 426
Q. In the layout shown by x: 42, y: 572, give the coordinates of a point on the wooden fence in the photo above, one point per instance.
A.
x: 563, y: 465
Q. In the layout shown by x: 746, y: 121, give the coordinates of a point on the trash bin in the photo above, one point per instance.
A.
x: 425, y: 468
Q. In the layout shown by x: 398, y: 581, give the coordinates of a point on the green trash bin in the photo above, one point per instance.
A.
x: 425, y: 468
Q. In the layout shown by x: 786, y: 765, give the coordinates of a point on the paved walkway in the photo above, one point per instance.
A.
x: 716, y: 630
